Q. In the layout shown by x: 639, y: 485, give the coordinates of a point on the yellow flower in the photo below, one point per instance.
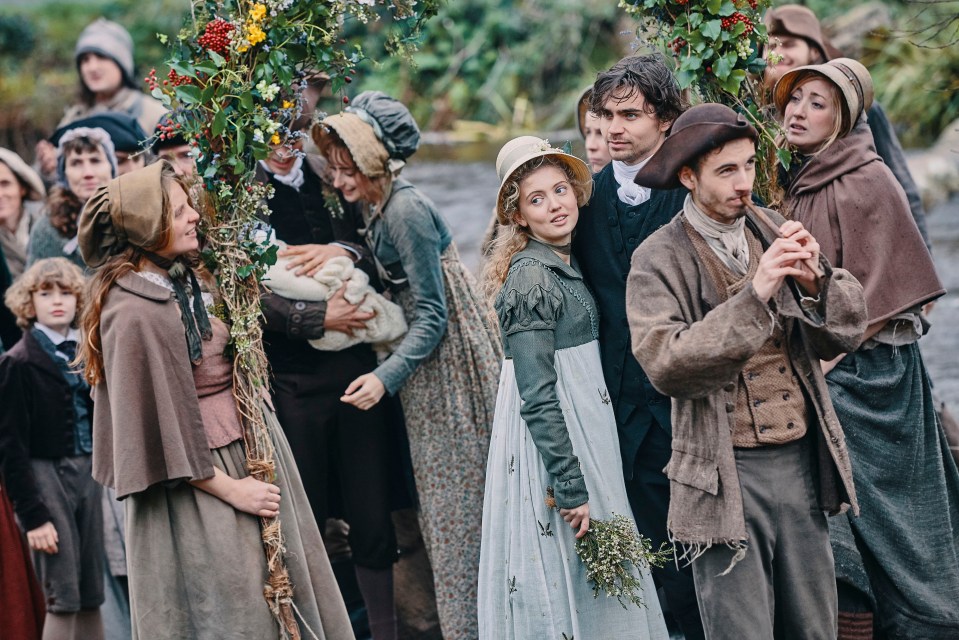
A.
x: 254, y: 34
x: 288, y: 104
x: 275, y: 139
x: 258, y: 12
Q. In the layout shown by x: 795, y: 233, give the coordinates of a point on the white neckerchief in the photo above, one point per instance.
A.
x: 629, y: 192
x: 728, y: 241
x: 56, y: 337
x: 292, y: 179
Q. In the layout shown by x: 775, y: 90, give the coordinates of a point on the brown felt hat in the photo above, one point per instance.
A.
x: 848, y: 75
x: 126, y: 211
x: 697, y: 131
x: 799, y: 21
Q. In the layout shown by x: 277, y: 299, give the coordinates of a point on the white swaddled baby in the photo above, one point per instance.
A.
x: 382, y: 330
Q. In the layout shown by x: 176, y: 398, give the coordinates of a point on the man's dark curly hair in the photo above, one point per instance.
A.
x: 647, y: 75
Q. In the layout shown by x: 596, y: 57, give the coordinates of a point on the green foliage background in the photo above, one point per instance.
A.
x: 511, y: 64
x: 484, y: 59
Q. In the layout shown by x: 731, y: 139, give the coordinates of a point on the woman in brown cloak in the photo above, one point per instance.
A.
x: 908, y: 487
x: 168, y: 436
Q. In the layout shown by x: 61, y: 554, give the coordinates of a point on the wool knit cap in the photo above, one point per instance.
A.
x: 125, y: 132
x: 109, y: 39
x: 25, y: 174
x: 697, y: 131
x: 849, y: 76
x: 97, y: 136
x: 521, y: 150
x: 126, y: 211
x: 799, y: 21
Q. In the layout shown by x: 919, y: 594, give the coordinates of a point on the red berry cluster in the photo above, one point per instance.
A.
x: 678, y: 44
x: 730, y: 22
x: 216, y: 37
x: 175, y: 79
x: 168, y: 130
x: 151, y: 80
x: 682, y: 2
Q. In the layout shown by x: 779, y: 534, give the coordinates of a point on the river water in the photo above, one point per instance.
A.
x: 462, y: 182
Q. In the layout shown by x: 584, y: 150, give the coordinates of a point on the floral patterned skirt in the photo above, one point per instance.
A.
x: 531, y: 583
x: 448, y: 403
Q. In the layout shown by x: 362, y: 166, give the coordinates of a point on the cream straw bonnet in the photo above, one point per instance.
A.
x: 521, y: 150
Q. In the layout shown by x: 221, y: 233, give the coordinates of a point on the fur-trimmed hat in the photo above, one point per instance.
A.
x: 521, y: 150
x: 696, y: 132
x: 97, y: 136
x: 849, y: 76
x: 109, y: 39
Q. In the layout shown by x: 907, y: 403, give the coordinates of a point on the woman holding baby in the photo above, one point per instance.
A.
x: 446, y: 368
x: 345, y: 455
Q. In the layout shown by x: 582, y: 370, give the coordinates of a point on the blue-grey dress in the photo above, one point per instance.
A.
x: 445, y: 372
x: 553, y: 427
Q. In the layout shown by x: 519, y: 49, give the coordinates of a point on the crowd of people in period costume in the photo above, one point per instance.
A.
x: 647, y: 338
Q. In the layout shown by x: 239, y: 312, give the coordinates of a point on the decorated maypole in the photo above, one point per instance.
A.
x: 237, y: 71
x: 718, y: 47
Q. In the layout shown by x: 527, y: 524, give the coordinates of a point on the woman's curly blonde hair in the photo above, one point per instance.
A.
x: 43, y: 275
x: 509, y: 236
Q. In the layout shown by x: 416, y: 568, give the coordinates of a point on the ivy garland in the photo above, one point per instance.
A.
x: 718, y: 48
x: 237, y: 71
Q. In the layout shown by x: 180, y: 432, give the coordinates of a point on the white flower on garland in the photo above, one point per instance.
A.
x: 267, y: 91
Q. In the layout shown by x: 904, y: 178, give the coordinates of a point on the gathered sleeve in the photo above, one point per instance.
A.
x: 528, y: 309
x: 413, y: 230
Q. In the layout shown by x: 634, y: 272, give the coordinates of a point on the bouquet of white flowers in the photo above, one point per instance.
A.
x: 613, y: 552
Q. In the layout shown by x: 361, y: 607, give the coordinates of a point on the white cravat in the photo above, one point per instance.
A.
x: 629, y: 192
x: 292, y: 179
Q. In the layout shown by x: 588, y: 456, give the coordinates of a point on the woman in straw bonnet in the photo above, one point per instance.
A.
x: 446, y: 367
x: 906, y: 481
x: 554, y: 458
x: 168, y: 436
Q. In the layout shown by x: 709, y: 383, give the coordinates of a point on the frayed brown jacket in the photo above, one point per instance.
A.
x: 693, y: 347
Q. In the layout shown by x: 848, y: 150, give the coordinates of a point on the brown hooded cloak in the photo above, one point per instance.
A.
x: 852, y: 204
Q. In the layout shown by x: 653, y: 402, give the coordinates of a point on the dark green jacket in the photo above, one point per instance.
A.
x: 545, y: 306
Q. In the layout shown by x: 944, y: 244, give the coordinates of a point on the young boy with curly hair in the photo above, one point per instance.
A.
x: 46, y: 445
